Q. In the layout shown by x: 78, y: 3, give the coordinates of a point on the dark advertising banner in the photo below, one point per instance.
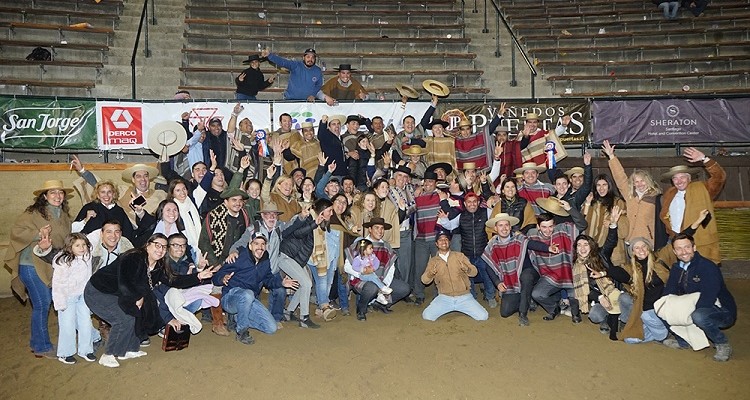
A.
x: 550, y: 112
x: 47, y: 123
x: 668, y: 121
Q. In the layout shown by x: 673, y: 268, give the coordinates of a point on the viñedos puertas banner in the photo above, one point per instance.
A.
x: 550, y: 111
x: 39, y: 123
x: 669, y: 121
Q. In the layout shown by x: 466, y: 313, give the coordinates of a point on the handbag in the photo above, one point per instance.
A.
x: 176, y: 339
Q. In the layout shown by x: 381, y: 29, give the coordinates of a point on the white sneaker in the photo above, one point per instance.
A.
x: 132, y: 354
x: 381, y: 299
x: 386, y: 290
x: 108, y: 360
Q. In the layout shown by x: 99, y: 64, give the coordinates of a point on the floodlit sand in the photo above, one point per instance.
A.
x: 390, y: 356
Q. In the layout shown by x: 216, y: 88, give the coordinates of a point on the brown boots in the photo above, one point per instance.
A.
x: 217, y: 325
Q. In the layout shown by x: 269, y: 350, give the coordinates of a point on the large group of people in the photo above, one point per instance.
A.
x: 312, y: 217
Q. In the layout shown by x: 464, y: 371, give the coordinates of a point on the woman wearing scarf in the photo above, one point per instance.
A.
x: 590, y: 284
x: 598, y: 212
x: 31, y: 276
x: 189, y: 215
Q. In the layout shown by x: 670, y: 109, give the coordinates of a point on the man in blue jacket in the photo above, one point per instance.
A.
x: 242, y: 281
x: 305, y: 78
x: 715, y: 309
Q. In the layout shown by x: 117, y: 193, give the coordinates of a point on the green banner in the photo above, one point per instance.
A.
x: 550, y: 112
x: 47, y: 123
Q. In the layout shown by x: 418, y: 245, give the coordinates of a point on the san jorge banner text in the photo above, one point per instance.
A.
x: 40, y: 123
x: 669, y: 121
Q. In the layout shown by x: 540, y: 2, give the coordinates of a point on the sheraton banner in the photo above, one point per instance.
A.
x: 126, y: 125
x: 39, y: 123
x: 669, y: 121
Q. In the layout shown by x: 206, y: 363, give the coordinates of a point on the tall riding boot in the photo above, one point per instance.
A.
x: 217, y: 325
x: 613, y: 322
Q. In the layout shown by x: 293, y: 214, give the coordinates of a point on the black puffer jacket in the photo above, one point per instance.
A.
x: 297, y: 240
x: 514, y: 208
x: 473, y: 236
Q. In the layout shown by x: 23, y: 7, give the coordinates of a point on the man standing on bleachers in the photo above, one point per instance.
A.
x: 342, y: 87
x: 305, y: 78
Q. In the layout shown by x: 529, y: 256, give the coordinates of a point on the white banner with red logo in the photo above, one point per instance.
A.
x: 390, y: 112
x: 126, y: 125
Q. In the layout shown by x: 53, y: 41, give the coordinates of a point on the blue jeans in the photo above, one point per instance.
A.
x: 75, y: 317
x: 343, y: 289
x: 41, y: 298
x: 465, y: 303
x: 322, y: 283
x: 653, y: 327
x: 240, y: 96
x: 276, y: 300
x: 712, y: 321
x: 670, y: 8
x: 482, y: 275
x: 372, y: 278
x: 251, y: 313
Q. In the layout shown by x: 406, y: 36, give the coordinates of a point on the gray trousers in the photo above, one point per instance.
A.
x: 405, y: 262
x: 122, y: 336
x: 547, y: 295
x: 423, y: 250
x: 301, y: 296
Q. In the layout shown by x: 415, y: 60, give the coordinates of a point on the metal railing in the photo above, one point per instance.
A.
x: 499, y: 17
x: 146, y: 50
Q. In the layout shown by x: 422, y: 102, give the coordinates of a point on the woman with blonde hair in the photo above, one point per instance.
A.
x: 102, y: 208
x: 365, y: 208
x: 283, y: 194
x: 640, y: 192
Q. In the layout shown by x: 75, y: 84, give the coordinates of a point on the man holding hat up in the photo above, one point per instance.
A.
x: 451, y: 270
x: 683, y: 202
x: 251, y: 81
x: 342, y: 87
x: 305, y: 78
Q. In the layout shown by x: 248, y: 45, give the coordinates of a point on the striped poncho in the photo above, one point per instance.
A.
x: 539, y: 190
x: 428, y: 206
x: 506, y: 258
x: 557, y: 269
x: 472, y: 149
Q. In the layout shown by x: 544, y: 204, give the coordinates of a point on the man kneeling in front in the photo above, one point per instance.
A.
x: 451, y: 271
x: 242, y: 281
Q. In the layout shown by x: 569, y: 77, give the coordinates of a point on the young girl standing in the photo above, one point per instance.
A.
x: 71, y: 270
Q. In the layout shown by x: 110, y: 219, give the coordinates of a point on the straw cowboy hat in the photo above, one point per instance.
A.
x: 340, y: 118
x: 51, y: 185
x: 166, y: 138
x: 469, y: 166
x: 415, y: 150
x: 270, y: 207
x: 553, y: 205
x: 127, y: 173
x: 502, y: 217
x: 678, y: 169
x: 436, y: 87
x: 530, y: 116
x: 529, y: 166
x: 377, y: 221
x: 464, y: 122
x: 306, y: 125
x: 407, y: 91
x: 574, y: 171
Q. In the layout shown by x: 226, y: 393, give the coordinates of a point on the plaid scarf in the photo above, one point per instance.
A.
x: 506, y: 258
x: 581, y: 287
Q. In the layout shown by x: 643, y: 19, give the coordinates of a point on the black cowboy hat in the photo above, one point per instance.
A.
x: 444, y: 166
x: 254, y: 57
x: 345, y: 67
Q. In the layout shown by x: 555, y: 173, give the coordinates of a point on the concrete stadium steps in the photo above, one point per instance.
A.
x: 285, y: 12
x: 637, y: 51
x: 390, y: 42
x: 78, y: 54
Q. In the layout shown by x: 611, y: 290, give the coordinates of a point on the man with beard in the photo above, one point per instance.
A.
x: 342, y: 87
x: 305, y: 78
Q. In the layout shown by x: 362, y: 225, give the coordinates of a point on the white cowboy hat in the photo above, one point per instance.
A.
x: 127, y: 173
x: 406, y: 90
x: 678, y: 169
x: 529, y: 166
x: 502, y: 217
x: 166, y: 139
x: 53, y: 184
